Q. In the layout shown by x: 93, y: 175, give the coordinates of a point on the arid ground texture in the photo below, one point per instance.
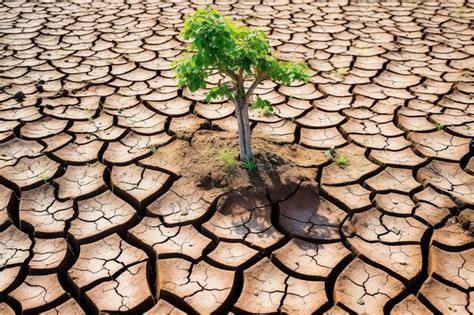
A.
x: 113, y: 198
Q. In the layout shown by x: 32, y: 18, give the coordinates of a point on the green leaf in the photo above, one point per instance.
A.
x: 220, y: 91
x: 265, y: 105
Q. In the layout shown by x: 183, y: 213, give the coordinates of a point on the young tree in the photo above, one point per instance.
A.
x: 219, y: 46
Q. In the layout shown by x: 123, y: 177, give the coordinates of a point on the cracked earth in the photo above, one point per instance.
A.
x: 113, y: 200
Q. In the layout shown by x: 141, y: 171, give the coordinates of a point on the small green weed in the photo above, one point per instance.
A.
x: 228, y: 157
x: 330, y: 153
x: 250, y: 164
x: 41, y: 174
x: 439, y: 126
x: 461, y: 13
x: 90, y: 114
x: 342, y: 72
x: 341, y: 160
x: 44, y: 178
x: 153, y: 148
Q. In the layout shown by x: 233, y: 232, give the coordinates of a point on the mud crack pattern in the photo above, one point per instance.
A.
x: 98, y: 212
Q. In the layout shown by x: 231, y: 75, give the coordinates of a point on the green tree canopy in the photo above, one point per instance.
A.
x: 219, y: 46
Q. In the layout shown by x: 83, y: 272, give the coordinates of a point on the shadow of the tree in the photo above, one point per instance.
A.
x: 272, y: 207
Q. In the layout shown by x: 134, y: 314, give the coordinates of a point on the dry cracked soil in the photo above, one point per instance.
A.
x: 113, y: 199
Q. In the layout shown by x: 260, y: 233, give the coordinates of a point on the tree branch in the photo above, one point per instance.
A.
x: 232, y: 75
x: 258, y: 79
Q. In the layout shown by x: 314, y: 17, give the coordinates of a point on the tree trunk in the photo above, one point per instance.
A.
x: 243, y: 123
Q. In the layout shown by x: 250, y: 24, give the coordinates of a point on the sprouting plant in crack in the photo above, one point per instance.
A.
x: 439, y: 126
x: 293, y: 119
x: 90, y: 114
x: 461, y: 13
x: 44, y: 178
x: 111, y: 61
x: 341, y: 160
x: 330, y: 153
x: 153, y: 148
x: 228, y: 157
x: 341, y: 72
x: 250, y: 164
x: 242, y: 55
x: 41, y: 174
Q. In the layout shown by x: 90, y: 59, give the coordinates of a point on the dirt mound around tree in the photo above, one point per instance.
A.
x: 280, y: 169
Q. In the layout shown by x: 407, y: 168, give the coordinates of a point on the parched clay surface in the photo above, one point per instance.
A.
x: 113, y: 199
